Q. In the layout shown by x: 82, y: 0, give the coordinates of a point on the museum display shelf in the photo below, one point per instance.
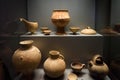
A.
x: 52, y: 34
x: 73, y: 47
x: 39, y: 74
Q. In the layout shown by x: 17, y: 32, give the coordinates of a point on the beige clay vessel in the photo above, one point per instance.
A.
x: 54, y: 66
x: 26, y: 58
x: 31, y: 26
x: 108, y: 30
x: 88, y: 31
x: 60, y: 18
x: 43, y: 28
x: 74, y: 29
x: 47, y: 32
x: 77, y: 66
x: 97, y: 67
x: 72, y: 76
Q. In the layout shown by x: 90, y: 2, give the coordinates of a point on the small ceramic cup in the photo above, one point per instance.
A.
x: 77, y: 66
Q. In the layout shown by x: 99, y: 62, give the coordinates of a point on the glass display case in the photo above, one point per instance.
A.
x: 101, y: 16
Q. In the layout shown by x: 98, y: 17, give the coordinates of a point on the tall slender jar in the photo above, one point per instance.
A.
x: 27, y: 57
x: 54, y: 66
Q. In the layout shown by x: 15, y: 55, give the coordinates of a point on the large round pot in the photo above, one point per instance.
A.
x: 54, y: 66
x: 97, y: 67
x: 27, y: 57
x: 60, y: 19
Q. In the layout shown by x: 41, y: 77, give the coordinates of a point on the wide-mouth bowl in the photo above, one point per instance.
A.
x: 74, y: 29
x: 47, y: 32
x: 43, y: 28
x: 76, y: 65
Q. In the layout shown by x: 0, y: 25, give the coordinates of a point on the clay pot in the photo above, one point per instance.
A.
x: 60, y: 19
x: 97, y: 67
x: 72, y: 76
x: 108, y: 30
x: 26, y: 58
x: 47, y: 32
x: 43, y: 28
x: 74, y: 29
x: 77, y: 66
x: 88, y: 30
x: 31, y: 26
x: 54, y: 66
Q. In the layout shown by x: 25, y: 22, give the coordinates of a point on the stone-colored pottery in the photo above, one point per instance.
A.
x: 72, y: 76
x: 108, y: 30
x: 31, y: 26
x: 54, y: 66
x: 97, y: 67
x: 27, y: 57
x: 88, y: 31
x: 43, y: 28
x: 77, y: 66
x: 60, y: 19
x: 47, y: 32
x: 74, y: 29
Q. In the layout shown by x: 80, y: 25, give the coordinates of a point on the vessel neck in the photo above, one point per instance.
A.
x: 26, y: 44
x: 54, y: 54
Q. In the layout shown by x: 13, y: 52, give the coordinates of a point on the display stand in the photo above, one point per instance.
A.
x: 39, y: 74
x: 74, y: 47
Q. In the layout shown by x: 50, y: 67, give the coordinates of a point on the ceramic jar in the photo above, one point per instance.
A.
x: 97, y: 67
x: 74, y: 29
x: 26, y: 58
x: 88, y: 31
x: 31, y: 26
x: 54, y: 66
x: 60, y: 18
x: 77, y: 66
x: 108, y: 30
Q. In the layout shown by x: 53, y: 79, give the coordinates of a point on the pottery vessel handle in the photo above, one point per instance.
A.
x: 90, y: 64
x: 21, y: 19
x: 83, y: 65
x: 88, y: 27
x: 61, y: 56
